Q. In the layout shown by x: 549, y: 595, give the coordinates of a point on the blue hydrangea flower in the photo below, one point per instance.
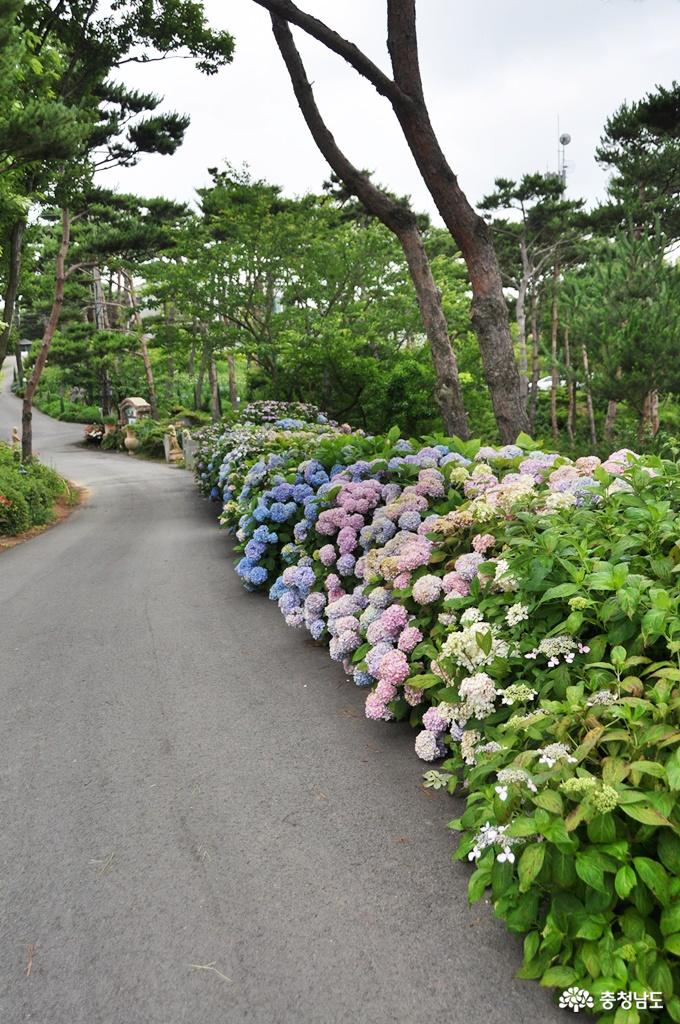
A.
x: 362, y: 678
x: 258, y: 575
x: 317, y: 628
x: 254, y: 549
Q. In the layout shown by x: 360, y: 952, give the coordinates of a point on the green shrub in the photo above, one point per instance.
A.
x: 28, y: 493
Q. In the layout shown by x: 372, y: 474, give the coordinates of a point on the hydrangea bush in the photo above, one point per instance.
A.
x: 521, y: 611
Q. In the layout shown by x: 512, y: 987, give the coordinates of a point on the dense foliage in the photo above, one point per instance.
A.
x: 27, y: 493
x: 522, y: 612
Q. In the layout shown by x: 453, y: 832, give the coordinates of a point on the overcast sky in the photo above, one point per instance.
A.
x: 498, y: 74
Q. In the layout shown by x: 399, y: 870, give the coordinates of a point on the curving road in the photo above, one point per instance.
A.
x: 198, y: 824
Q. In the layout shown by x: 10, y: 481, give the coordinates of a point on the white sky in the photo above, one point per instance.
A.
x: 497, y: 73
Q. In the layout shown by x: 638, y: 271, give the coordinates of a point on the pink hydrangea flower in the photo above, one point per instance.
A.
x: 385, y: 691
x: 376, y: 710
x: 394, y: 668
x: 430, y: 483
x: 483, y: 542
x: 454, y: 583
x: 433, y: 721
x: 394, y: 619
x: 327, y: 554
x: 347, y: 540
x: 401, y: 581
x: 427, y: 589
x: 409, y: 639
x: 412, y: 696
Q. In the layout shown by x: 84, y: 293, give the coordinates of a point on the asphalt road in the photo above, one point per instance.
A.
x: 198, y: 825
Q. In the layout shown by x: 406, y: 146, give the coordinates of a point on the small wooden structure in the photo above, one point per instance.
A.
x: 133, y: 409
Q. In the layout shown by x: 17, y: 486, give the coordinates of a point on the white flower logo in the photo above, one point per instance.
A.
x: 576, y: 999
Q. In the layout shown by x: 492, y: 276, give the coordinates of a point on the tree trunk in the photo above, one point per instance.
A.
x: 468, y: 229
x: 535, y: 350
x: 649, y: 418
x: 654, y: 420
x: 48, y: 334
x: 448, y: 394
x: 101, y: 312
x: 398, y: 219
x: 233, y: 390
x: 571, y: 386
x: 205, y: 354
x: 215, y: 410
x: 609, y: 420
x: 554, y: 369
x: 16, y: 238
x: 106, y: 396
x: 589, y: 395
x: 143, y: 338
x: 521, y: 317
x: 20, y: 363
x: 148, y: 372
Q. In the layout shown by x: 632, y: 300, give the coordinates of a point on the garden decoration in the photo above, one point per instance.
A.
x: 522, y: 612
x: 133, y: 409
x: 173, y: 452
x: 131, y: 441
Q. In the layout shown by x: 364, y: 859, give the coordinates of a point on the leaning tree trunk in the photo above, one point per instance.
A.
x: 448, y: 392
x: 401, y: 222
x: 16, y: 237
x: 468, y: 229
x: 48, y: 334
x: 535, y: 350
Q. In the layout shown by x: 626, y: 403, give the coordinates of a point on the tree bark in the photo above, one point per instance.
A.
x: 401, y: 222
x: 48, y: 334
x: 571, y: 386
x: 20, y: 362
x: 205, y: 355
x: 535, y: 349
x: 609, y: 420
x: 215, y: 405
x: 148, y: 372
x: 143, y: 338
x: 654, y: 420
x: 16, y: 238
x: 101, y: 313
x: 648, y: 425
x: 107, y: 401
x: 521, y: 317
x: 589, y: 395
x: 554, y: 375
x: 468, y: 229
x: 233, y: 390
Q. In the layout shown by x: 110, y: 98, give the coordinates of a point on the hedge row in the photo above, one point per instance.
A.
x: 521, y: 611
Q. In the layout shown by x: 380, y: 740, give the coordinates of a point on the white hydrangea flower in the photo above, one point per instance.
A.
x: 516, y: 613
x: 554, y: 753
